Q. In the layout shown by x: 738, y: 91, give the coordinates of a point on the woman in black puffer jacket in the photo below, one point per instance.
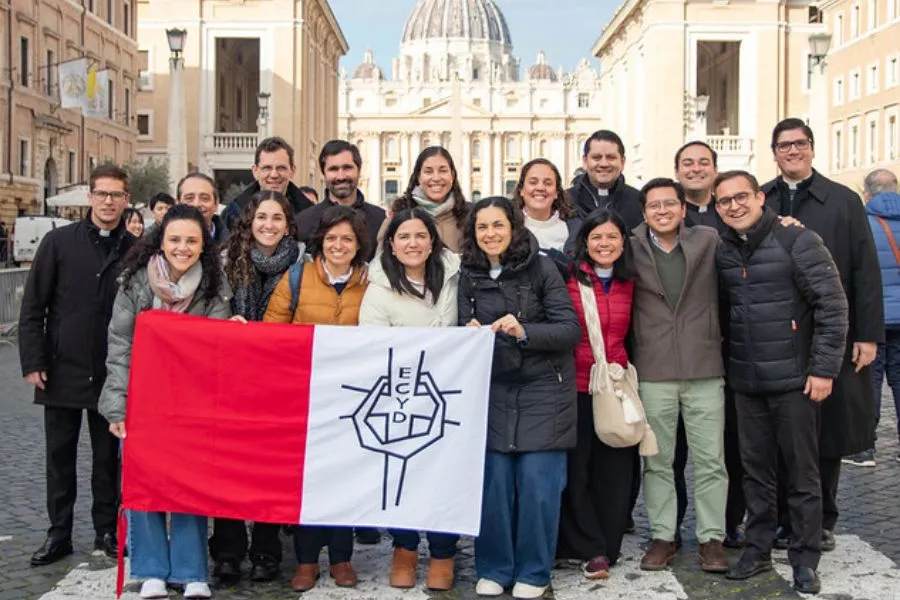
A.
x: 506, y: 284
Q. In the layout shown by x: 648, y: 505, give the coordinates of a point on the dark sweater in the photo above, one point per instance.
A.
x: 671, y: 269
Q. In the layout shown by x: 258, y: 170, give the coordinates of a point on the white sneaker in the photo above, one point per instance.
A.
x: 197, y: 589
x: 154, y: 588
x: 524, y: 590
x: 486, y: 587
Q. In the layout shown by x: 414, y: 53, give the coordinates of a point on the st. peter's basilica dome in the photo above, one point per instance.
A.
x: 457, y: 19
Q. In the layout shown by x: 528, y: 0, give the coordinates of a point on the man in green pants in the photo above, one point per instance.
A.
x: 678, y: 355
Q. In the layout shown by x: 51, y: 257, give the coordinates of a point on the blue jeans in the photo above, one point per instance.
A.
x: 520, y: 516
x: 440, y: 545
x: 887, y: 362
x: 176, y: 556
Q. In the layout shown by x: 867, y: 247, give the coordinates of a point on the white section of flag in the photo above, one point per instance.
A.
x: 407, y: 407
x: 72, y: 77
x: 96, y: 100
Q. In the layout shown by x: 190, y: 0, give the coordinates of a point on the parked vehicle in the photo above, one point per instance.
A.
x: 28, y: 235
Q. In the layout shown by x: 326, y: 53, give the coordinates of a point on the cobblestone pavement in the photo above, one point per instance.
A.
x: 864, y: 566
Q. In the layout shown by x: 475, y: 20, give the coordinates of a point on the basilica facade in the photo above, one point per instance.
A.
x: 456, y: 83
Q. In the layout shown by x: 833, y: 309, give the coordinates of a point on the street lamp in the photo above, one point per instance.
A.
x: 263, y: 116
x: 176, y: 145
x: 819, y: 43
x: 701, y: 104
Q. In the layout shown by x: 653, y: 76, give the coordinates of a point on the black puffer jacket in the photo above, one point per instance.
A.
x: 786, y: 307
x: 532, y: 400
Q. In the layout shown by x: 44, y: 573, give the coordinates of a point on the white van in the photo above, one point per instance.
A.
x: 28, y: 235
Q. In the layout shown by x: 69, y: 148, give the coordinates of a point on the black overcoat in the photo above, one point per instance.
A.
x: 837, y: 214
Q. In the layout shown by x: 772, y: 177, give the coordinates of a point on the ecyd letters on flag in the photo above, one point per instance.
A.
x: 307, y: 424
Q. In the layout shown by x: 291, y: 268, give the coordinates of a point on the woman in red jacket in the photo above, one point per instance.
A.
x: 596, y: 501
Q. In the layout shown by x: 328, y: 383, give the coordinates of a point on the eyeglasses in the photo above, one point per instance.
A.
x: 740, y: 199
x: 669, y: 204
x: 103, y: 195
x: 785, y: 147
x: 280, y: 169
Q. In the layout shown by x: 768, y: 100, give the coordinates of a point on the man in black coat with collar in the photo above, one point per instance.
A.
x: 62, y: 346
x: 273, y: 168
x: 340, y: 162
x: 836, y: 213
x: 602, y: 185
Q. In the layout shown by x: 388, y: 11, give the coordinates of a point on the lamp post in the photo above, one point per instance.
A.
x: 262, y: 118
x: 819, y: 43
x: 176, y: 137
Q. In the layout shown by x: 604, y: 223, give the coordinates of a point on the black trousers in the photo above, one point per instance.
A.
x: 830, y: 475
x: 229, y: 541
x: 62, y: 427
x: 597, y: 499
x: 786, y: 424
x: 736, y: 505
x: 308, y: 542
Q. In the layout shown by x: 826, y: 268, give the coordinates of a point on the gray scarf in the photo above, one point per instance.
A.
x: 250, y: 300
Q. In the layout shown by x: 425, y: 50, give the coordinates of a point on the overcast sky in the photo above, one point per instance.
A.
x: 565, y: 29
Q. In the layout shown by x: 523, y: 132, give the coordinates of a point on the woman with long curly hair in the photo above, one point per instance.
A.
x: 261, y: 247
x: 176, y: 268
x: 507, y: 284
x: 434, y: 187
x: 549, y: 214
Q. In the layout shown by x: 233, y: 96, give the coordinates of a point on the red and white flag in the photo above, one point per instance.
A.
x: 317, y: 425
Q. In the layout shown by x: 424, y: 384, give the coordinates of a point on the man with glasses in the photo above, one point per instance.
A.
x: 788, y: 324
x: 837, y: 214
x: 65, y: 313
x: 678, y: 355
x: 273, y: 170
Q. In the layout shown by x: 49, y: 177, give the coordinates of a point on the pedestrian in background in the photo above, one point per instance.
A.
x: 330, y: 293
x: 506, y: 284
x: 261, y: 248
x: 63, y: 323
x: 597, y: 499
x: 159, y: 205
x: 176, y: 269
x: 413, y: 283
x: 134, y: 222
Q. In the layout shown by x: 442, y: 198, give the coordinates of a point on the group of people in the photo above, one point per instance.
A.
x: 751, y: 313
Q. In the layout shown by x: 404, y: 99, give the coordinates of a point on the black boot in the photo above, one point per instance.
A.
x: 748, y: 565
x: 806, y: 580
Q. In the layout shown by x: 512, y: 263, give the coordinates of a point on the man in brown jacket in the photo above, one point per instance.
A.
x: 678, y: 355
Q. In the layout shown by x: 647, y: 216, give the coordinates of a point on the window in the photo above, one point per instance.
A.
x: 426, y: 101
x: 891, y: 136
x: 110, y: 100
x: 90, y: 5
x: 110, y: 17
x: 239, y: 103
x: 70, y: 167
x: 145, y: 76
x: 390, y: 101
x: 24, y: 61
x: 512, y: 148
x: 391, y: 189
x: 511, y: 101
x: 542, y: 148
x: 837, y: 147
x: 126, y: 113
x: 872, y: 14
x: 476, y: 195
x: 854, y: 21
x: 390, y: 148
x: 50, y: 82
x: 476, y: 101
x: 891, y: 71
x: 510, y: 187
x: 24, y: 157
x: 838, y: 30
x: 854, y: 145
x: 145, y: 124
x: 476, y: 148
x: 126, y: 18
x: 838, y: 91
x: 476, y: 74
x: 854, y: 84
x: 584, y: 100
x: 872, y: 78
x: 872, y: 139
x: 893, y: 9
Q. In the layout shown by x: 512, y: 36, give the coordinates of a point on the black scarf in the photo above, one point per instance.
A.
x: 250, y: 300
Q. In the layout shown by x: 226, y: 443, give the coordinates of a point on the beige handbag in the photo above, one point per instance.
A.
x: 619, y: 419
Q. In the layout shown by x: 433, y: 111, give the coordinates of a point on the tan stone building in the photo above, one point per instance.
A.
x: 863, y: 77
x: 661, y: 60
x: 251, y: 69
x: 43, y: 147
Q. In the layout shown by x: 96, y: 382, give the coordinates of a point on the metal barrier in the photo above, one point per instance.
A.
x: 12, y: 287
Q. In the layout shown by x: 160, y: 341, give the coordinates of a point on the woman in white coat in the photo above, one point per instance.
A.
x: 413, y: 283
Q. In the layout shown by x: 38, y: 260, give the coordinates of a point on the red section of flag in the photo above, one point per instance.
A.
x: 217, y: 417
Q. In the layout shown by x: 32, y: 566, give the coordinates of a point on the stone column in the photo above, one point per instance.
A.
x: 497, y: 162
x: 405, y: 164
x: 486, y: 153
x: 374, y: 193
x: 465, y: 173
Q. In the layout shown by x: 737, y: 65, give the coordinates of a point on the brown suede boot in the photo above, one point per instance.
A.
x: 440, y: 574
x: 403, y: 568
x: 712, y: 557
x: 658, y: 556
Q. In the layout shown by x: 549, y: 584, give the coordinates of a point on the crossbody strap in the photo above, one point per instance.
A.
x: 890, y: 238
x: 592, y: 320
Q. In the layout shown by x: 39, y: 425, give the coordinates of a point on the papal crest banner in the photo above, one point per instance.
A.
x: 318, y: 425
x: 72, y: 77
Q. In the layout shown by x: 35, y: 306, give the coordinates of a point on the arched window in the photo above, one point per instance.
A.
x: 512, y: 147
x: 390, y: 147
x: 543, y: 148
x: 476, y: 148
